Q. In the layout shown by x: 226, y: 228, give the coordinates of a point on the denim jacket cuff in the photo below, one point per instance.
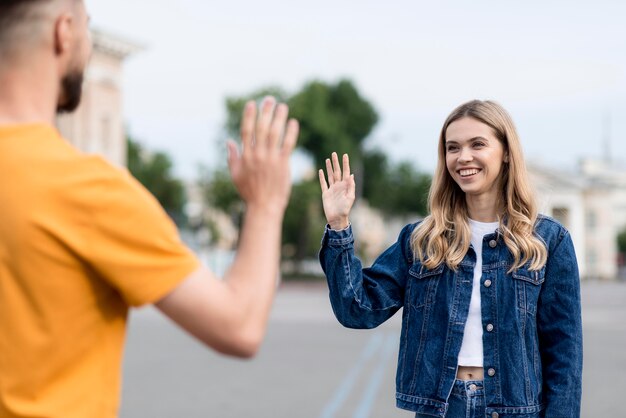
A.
x: 338, y: 237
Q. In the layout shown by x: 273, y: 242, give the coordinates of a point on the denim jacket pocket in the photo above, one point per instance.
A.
x: 527, y: 287
x: 422, y: 284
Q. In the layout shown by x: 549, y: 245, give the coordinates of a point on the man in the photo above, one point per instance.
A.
x: 81, y: 241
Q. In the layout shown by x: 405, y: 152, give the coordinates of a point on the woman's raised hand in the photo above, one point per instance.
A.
x: 338, y: 194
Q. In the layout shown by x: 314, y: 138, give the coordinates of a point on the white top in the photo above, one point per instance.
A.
x: 471, y: 353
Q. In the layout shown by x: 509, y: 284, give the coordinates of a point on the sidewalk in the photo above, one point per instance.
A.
x: 310, y: 366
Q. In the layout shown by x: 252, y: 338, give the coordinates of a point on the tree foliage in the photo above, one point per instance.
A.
x: 333, y: 118
x: 395, y: 189
x: 621, y: 241
x: 304, y: 220
x: 221, y: 193
x: 154, y: 171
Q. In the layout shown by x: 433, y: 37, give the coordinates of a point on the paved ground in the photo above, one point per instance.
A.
x: 310, y: 366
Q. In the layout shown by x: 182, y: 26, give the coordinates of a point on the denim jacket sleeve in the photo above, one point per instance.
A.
x: 559, y: 328
x: 364, y: 298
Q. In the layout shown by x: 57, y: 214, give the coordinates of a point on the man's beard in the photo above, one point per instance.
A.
x: 71, y: 90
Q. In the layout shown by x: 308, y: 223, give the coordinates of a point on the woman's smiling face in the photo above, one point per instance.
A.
x: 474, y: 156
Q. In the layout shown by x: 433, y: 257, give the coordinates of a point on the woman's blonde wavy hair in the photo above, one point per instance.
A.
x: 444, y: 235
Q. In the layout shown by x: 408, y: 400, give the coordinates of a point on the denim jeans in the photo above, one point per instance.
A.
x: 467, y: 400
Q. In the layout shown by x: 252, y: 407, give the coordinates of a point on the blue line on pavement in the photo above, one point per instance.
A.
x: 369, y: 395
x: 345, y: 388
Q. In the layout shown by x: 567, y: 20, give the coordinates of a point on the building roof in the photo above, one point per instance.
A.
x: 113, y: 44
x: 556, y: 178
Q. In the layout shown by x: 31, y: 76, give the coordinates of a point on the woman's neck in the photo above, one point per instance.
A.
x: 482, y: 208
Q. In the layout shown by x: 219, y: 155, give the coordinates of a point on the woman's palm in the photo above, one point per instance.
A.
x: 339, y: 193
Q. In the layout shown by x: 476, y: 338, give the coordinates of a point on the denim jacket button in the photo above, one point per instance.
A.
x: 493, y: 243
x: 487, y: 283
x: 494, y: 415
x: 489, y: 327
x: 491, y: 372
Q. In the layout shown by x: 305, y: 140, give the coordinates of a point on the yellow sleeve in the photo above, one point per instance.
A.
x: 131, y: 243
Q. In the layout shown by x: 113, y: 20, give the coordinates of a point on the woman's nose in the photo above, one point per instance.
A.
x: 465, y: 155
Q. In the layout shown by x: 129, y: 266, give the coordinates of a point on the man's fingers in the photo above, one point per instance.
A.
x: 329, y: 172
x: 247, y: 125
x: 322, y: 180
x: 263, y: 124
x: 233, y: 157
x: 336, y: 167
x: 278, y: 125
x: 291, y: 136
x: 346, y: 167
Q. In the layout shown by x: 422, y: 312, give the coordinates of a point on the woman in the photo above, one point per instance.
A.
x: 491, y: 325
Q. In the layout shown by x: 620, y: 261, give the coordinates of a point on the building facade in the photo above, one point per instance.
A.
x: 591, y: 204
x: 97, y: 126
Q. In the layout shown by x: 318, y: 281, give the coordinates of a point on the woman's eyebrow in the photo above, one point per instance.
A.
x: 454, y: 141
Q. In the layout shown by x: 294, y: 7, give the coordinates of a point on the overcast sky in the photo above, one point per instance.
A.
x: 559, y: 67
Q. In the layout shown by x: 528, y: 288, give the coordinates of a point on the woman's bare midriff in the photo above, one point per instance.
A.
x: 469, y: 373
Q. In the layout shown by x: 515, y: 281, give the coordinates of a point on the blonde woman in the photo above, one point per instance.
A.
x: 491, y: 325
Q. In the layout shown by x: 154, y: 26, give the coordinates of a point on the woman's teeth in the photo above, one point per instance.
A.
x: 468, y: 172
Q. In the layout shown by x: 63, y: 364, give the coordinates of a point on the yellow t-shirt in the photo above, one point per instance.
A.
x: 80, y: 242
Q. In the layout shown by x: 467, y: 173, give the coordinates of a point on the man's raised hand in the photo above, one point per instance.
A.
x: 261, y: 171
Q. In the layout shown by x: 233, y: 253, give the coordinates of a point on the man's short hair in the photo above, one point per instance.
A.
x: 16, y: 15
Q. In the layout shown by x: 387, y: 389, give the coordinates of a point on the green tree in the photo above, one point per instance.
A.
x: 375, y: 180
x: 154, y: 171
x: 333, y: 117
x: 408, y: 191
x: 621, y: 242
x: 304, y: 221
x: 395, y: 189
x: 220, y: 192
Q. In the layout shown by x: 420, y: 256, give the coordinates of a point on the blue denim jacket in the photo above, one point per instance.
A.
x: 532, y: 350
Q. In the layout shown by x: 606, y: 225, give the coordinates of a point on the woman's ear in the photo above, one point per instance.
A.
x: 506, y: 157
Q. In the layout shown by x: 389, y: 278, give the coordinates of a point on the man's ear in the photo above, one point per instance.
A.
x: 63, y: 33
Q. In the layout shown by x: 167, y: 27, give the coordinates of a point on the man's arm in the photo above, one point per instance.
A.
x: 230, y: 315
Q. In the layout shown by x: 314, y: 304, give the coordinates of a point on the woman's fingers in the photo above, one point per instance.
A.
x: 329, y: 172
x: 352, y: 186
x: 335, y: 172
x: 336, y: 167
x: 346, y: 167
x: 323, y: 184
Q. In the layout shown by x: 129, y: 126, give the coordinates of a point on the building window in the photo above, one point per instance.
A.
x: 561, y: 215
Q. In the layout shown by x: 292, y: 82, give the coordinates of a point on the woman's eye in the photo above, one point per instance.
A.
x: 452, y: 148
x: 479, y: 144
